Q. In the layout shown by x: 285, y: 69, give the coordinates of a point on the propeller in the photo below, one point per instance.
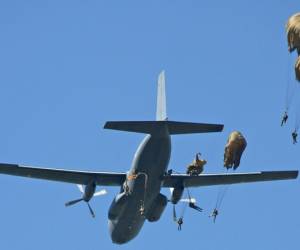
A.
x: 188, y: 200
x: 88, y: 192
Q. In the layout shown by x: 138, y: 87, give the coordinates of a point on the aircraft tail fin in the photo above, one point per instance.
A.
x: 162, y: 125
x: 161, y: 108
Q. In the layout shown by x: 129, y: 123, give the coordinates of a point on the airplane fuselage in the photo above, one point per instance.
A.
x: 140, y: 197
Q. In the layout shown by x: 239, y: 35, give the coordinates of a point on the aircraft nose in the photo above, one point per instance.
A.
x: 116, y: 237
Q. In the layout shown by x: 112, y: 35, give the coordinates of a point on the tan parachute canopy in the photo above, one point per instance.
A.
x: 293, y: 32
x: 197, y: 165
x: 234, y: 149
x: 293, y: 38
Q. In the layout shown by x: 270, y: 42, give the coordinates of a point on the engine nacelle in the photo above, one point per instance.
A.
x: 157, y: 208
x: 176, y: 194
x: 89, y: 191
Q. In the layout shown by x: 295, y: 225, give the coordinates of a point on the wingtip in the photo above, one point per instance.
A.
x: 106, y: 125
x: 293, y: 174
x: 221, y: 127
x: 296, y: 174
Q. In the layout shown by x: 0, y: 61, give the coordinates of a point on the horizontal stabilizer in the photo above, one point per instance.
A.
x: 190, y: 127
x: 152, y: 127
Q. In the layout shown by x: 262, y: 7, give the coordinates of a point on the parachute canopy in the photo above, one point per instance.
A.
x: 234, y: 149
x: 293, y: 32
x: 297, y: 69
x: 196, y: 167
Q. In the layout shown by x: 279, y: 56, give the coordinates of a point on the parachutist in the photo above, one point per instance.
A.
x: 170, y: 171
x: 294, y: 135
x: 126, y: 188
x: 194, y: 206
x: 142, y: 208
x: 284, y: 118
x: 180, y: 222
x: 214, y: 214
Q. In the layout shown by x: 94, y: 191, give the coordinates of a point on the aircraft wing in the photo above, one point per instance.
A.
x: 70, y: 176
x: 185, y: 180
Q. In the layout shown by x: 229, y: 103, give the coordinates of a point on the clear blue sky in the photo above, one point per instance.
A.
x: 69, y: 66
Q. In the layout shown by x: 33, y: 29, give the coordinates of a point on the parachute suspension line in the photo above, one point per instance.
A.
x: 185, y: 203
x: 222, y: 192
x: 290, y: 85
x: 220, y: 196
x: 297, y: 120
x: 183, y: 210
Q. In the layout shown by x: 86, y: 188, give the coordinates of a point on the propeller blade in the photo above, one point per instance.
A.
x: 81, y: 188
x: 73, y: 202
x: 192, y: 200
x: 101, y: 192
x: 91, y: 210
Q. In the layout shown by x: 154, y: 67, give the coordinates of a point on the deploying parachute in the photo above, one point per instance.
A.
x: 196, y: 167
x: 234, y: 149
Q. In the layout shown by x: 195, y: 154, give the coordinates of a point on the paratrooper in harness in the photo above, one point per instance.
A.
x: 180, y: 222
x: 284, y: 118
x: 294, y: 135
x: 214, y: 214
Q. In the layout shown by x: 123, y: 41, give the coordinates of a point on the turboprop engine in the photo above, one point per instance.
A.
x: 88, y: 192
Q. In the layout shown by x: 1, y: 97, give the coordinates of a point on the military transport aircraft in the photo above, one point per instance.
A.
x: 139, y: 198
